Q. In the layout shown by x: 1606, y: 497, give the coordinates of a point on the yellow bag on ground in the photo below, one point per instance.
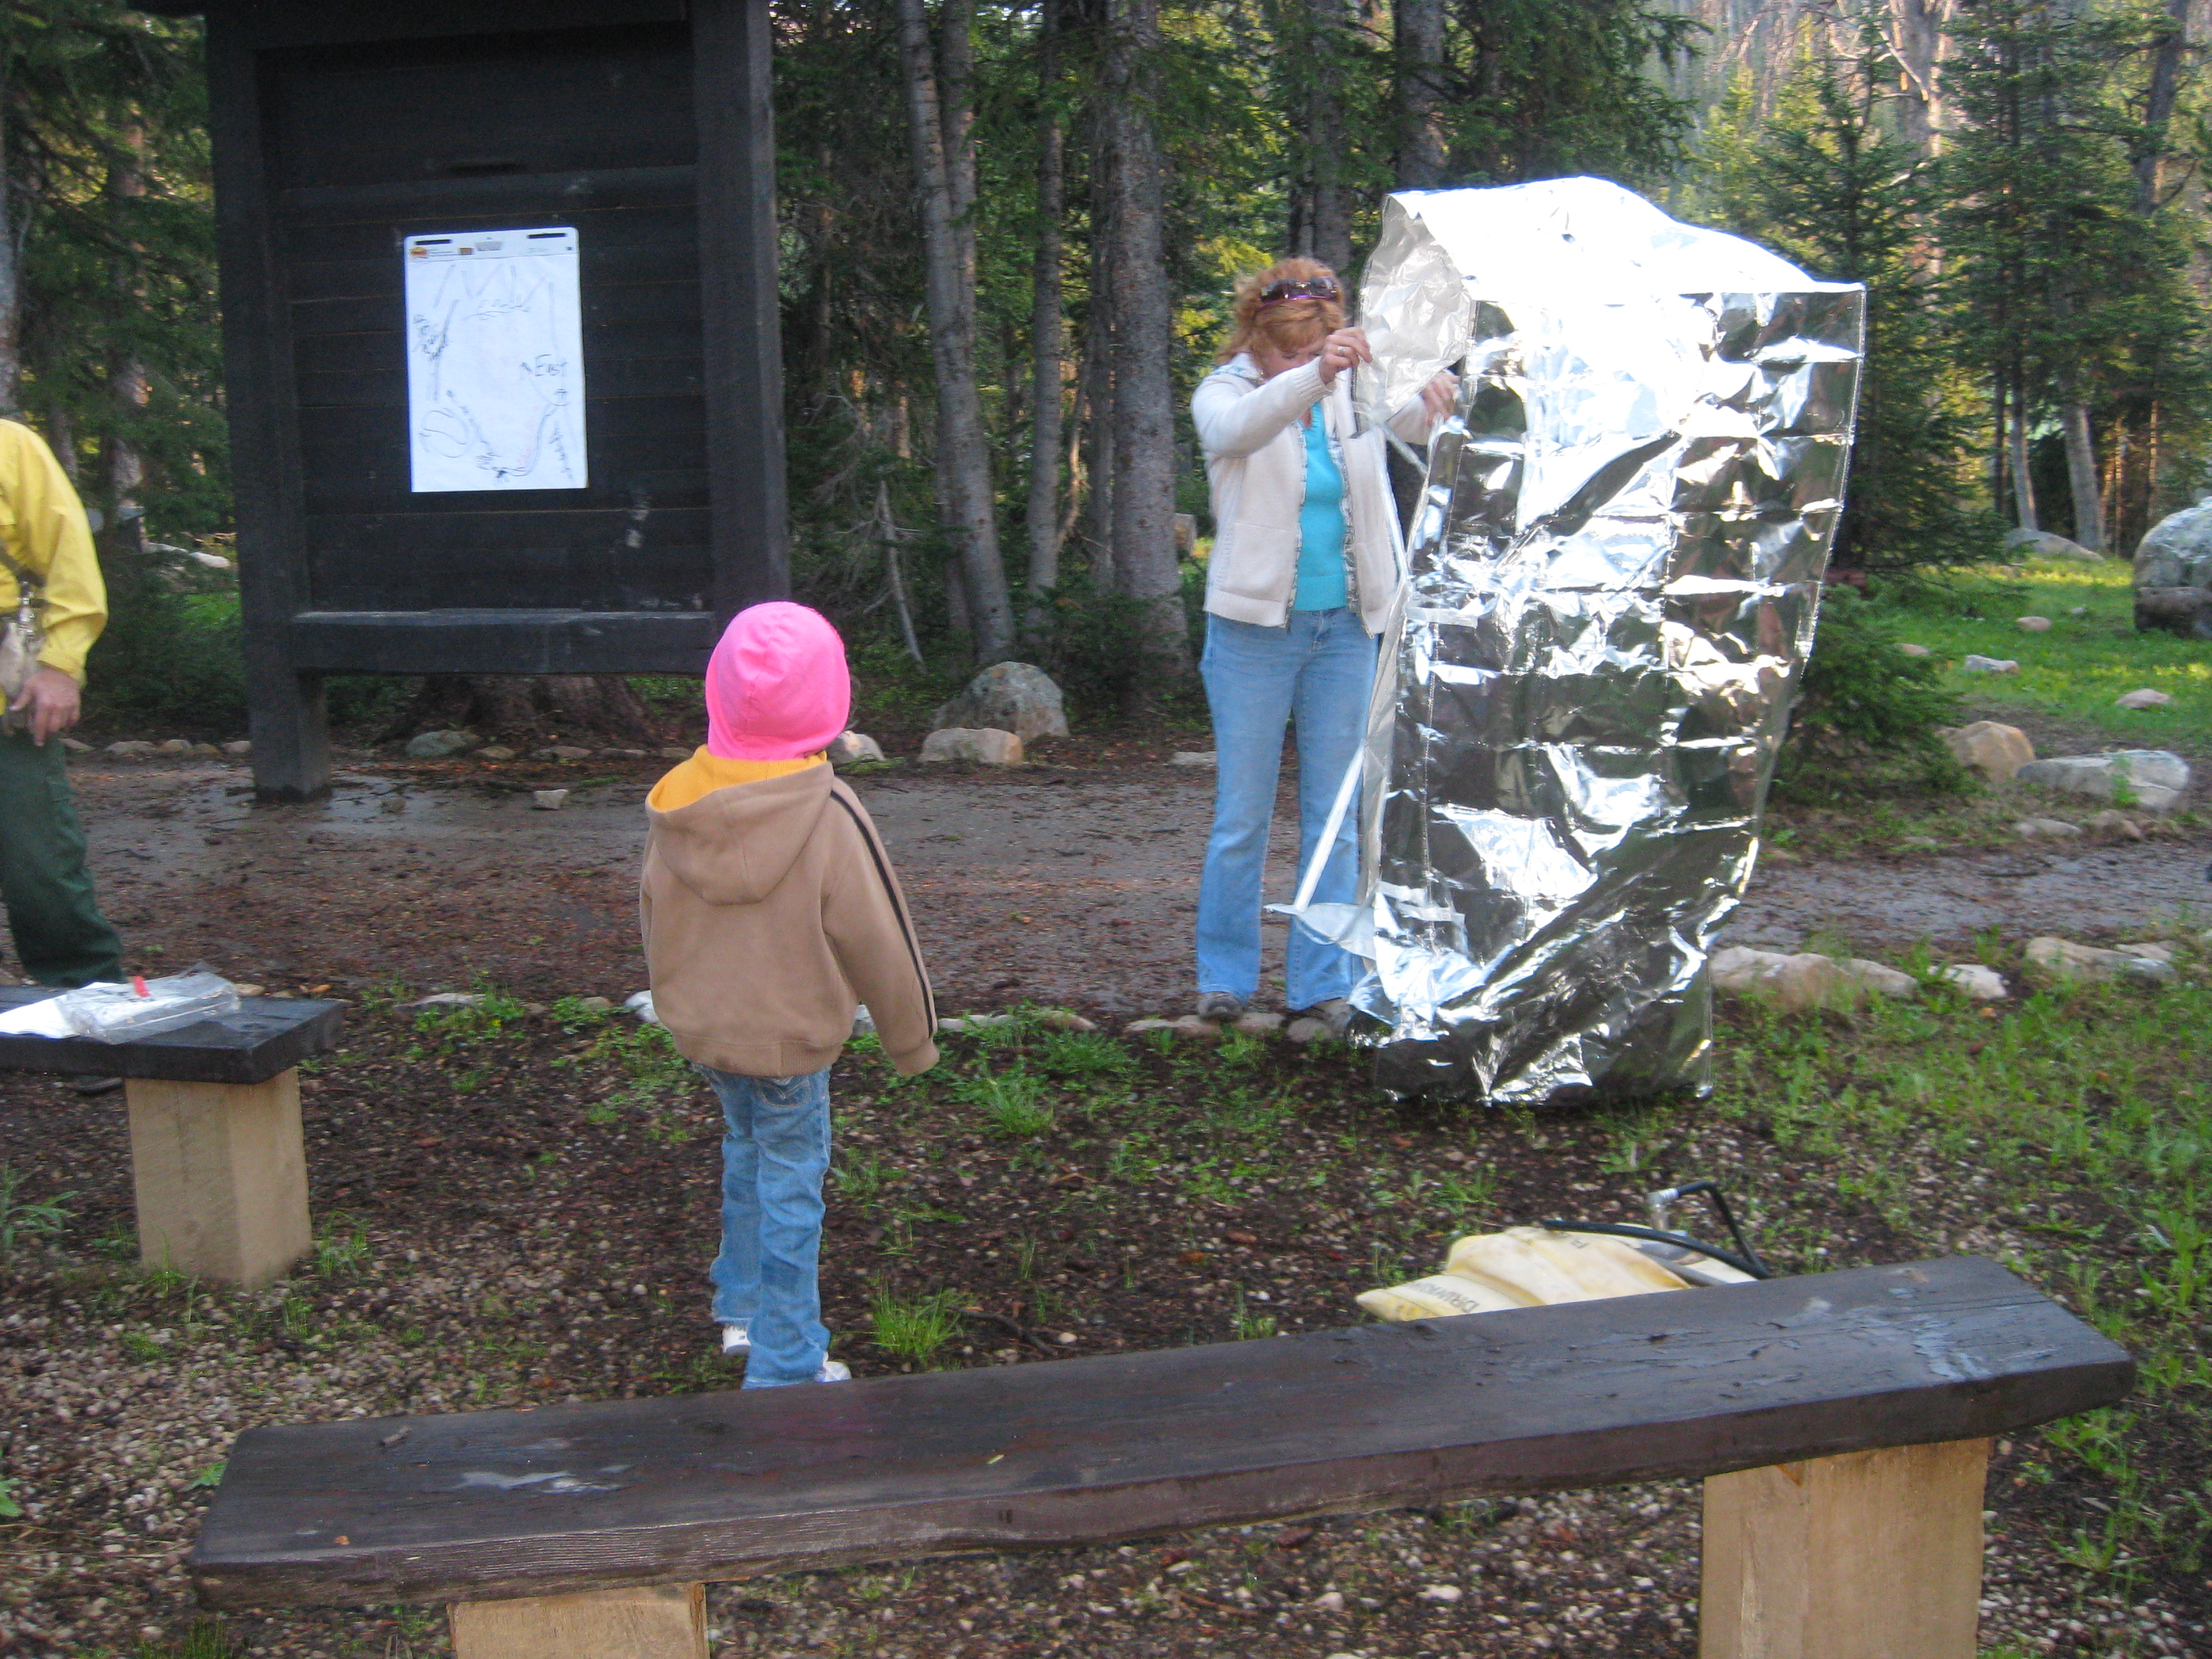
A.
x: 1523, y: 1267
x: 1439, y: 1296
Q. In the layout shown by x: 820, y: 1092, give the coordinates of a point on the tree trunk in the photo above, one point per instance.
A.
x: 1422, y: 153
x: 2082, y: 477
x: 1097, y: 389
x: 1325, y: 125
x: 944, y: 159
x: 1917, y: 40
x: 2158, y: 104
x: 1144, y: 546
x: 127, y: 384
x: 532, y: 709
x: 2023, y: 486
x: 1046, y: 332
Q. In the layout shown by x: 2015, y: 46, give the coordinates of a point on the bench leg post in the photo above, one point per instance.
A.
x: 650, y: 1622
x: 1871, y: 1555
x: 221, y: 1175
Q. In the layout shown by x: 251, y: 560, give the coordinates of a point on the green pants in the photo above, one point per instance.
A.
x: 60, y: 936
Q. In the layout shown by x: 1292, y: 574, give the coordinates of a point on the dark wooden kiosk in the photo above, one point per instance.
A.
x: 342, y: 129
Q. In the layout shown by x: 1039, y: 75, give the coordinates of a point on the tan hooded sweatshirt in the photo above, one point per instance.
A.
x: 769, y: 912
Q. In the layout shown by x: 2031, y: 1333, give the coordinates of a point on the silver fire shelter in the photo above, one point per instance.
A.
x: 1611, y: 579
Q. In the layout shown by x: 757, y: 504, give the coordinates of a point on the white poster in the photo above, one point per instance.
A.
x: 495, y: 360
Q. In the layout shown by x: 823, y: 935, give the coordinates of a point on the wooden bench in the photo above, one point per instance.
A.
x: 1842, y: 1422
x: 217, y: 1163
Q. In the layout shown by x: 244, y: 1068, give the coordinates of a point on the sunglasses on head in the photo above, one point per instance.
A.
x: 1300, y: 288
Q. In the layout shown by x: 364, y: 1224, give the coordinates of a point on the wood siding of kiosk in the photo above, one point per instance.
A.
x: 342, y: 128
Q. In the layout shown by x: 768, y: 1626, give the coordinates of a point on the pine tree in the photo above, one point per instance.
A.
x: 1826, y: 183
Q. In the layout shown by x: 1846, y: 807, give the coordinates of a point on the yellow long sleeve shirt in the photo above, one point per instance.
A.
x: 44, y: 525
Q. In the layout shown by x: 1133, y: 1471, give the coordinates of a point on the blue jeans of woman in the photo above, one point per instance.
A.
x: 1315, y: 673
x: 775, y: 1150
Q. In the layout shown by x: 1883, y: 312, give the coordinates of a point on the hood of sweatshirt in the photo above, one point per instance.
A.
x: 735, y: 846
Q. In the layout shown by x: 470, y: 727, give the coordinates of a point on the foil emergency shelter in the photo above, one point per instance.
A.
x: 1613, y: 575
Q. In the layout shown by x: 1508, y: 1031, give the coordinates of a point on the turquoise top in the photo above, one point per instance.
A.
x: 1321, y: 525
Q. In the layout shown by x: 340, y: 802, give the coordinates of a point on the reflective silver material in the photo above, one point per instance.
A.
x: 1614, y: 573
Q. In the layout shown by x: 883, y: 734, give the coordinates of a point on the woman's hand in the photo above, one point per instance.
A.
x: 1441, y: 395
x: 1342, y: 351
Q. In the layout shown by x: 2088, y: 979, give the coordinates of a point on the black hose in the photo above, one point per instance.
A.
x: 1712, y: 1189
x: 1743, y: 1264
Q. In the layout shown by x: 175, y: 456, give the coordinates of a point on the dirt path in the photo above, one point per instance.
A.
x: 1068, y: 884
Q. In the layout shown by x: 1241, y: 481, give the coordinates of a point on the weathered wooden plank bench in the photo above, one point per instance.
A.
x: 1842, y: 1421
x: 216, y: 1163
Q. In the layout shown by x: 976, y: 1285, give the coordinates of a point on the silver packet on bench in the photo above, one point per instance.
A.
x: 1613, y: 575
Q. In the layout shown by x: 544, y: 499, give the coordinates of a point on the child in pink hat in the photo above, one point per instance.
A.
x: 770, y: 912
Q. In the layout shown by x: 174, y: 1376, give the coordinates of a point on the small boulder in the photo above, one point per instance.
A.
x: 1912, y: 650
x: 2068, y: 960
x: 2032, y: 624
x: 2154, y: 950
x: 1065, y: 1019
x: 1193, y: 757
x: 496, y: 752
x: 1306, y: 1029
x: 1260, y: 1022
x: 848, y: 747
x: 596, y: 1004
x: 2146, y: 698
x: 1979, y: 984
x: 560, y: 751
x: 2045, y: 829
x: 131, y: 748
x: 238, y: 748
x: 1879, y: 979
x: 76, y: 745
x: 1973, y: 663
x: 2077, y: 610
x: 2115, y: 823
x: 1995, y: 751
x: 1448, y: 1594
x: 2042, y: 544
x: 1145, y: 1027
x: 445, y: 999
x: 1194, y: 1028
x: 548, y: 801
x: 438, y: 745
x: 622, y: 754
x: 174, y: 746
x: 2155, y: 778
x: 1807, y: 980
x: 986, y: 747
x: 675, y: 751
x: 1008, y: 696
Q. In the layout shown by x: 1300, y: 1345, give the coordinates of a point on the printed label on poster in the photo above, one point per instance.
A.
x: 495, y: 360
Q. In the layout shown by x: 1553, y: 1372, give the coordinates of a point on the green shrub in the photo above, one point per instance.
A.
x: 1867, y: 713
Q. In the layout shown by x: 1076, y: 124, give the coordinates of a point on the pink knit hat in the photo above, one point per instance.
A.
x: 777, y: 686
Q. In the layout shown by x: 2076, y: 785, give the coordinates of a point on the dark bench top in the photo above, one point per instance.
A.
x: 530, y: 1502
x: 271, y: 1035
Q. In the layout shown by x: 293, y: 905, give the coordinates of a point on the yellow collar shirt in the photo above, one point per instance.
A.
x: 44, y: 527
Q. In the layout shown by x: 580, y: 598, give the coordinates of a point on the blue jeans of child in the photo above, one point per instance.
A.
x: 774, y: 1153
x: 1316, y: 673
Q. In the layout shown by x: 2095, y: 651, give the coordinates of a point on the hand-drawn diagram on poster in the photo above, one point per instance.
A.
x: 495, y: 360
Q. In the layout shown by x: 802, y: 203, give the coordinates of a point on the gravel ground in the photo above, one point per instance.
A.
x: 486, y: 1241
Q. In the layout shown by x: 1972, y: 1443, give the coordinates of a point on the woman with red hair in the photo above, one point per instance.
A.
x: 1305, y: 558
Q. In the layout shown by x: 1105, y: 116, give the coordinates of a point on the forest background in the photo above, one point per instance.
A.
x: 1009, y: 233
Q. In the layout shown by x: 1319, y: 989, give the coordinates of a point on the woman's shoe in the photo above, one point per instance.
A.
x: 1221, y: 1007
x: 736, y: 1337
x: 834, y: 1371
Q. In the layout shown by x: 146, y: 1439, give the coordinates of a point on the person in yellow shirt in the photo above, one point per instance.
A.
x: 61, y: 937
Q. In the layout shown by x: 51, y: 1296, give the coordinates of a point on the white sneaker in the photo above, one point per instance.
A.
x: 737, y: 1337
x: 834, y: 1371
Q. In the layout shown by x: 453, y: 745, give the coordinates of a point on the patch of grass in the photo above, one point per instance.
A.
x: 1012, y: 1101
x: 914, y: 1330
x: 341, y: 1247
x: 2077, y: 671
x: 24, y: 1220
x: 1082, y: 1056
